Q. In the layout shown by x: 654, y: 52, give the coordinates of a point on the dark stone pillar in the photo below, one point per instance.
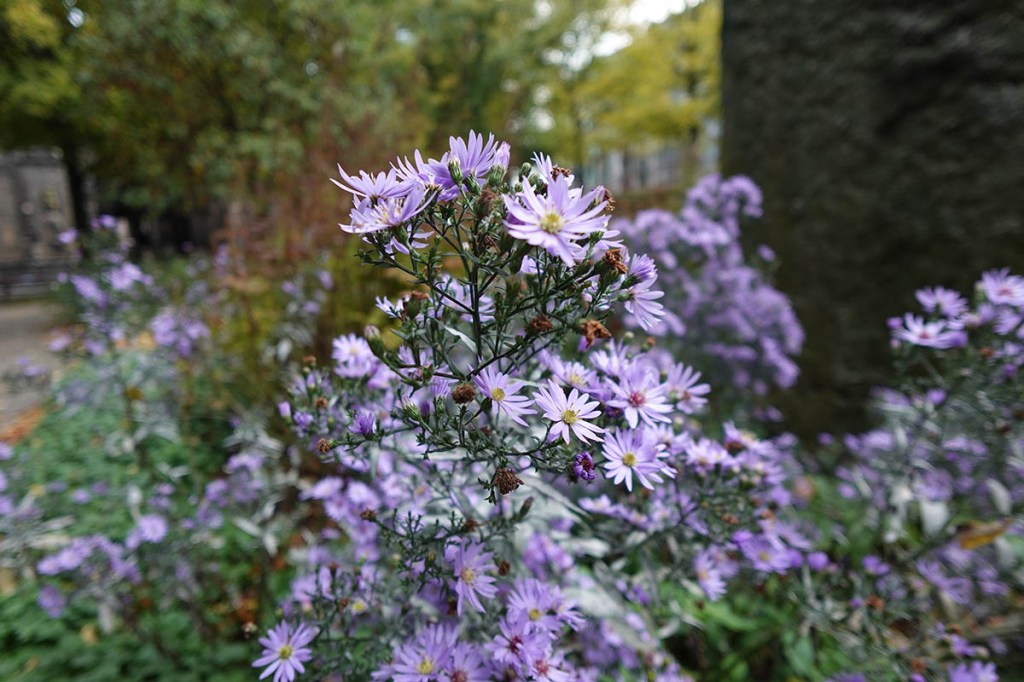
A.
x: 888, y: 137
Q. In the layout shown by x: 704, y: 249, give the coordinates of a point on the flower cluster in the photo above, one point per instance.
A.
x: 496, y: 440
x: 724, y: 313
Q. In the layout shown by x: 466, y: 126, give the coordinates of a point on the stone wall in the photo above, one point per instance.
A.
x: 34, y: 209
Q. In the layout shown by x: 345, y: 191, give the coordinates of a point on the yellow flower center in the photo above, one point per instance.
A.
x: 629, y: 459
x: 570, y: 417
x: 535, y: 613
x: 552, y: 223
x: 285, y: 652
x: 576, y: 380
x: 468, y: 576
x: 497, y: 394
x: 426, y: 666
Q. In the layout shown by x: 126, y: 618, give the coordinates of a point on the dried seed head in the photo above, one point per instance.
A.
x: 613, y: 258
x: 368, y: 515
x: 539, y: 325
x: 463, y: 393
x: 323, y: 446
x: 592, y: 330
x: 506, y: 481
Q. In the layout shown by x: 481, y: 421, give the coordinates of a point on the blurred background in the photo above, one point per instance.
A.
x: 887, y: 138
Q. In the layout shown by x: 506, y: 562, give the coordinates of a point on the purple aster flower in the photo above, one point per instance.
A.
x: 917, y: 332
x: 474, y: 160
x: 354, y: 357
x: 683, y: 387
x: 975, y: 671
x: 426, y: 657
x: 874, y: 565
x: 818, y: 561
x: 285, y: 651
x: 632, y: 453
x: 704, y: 455
x: 470, y: 564
x: 364, y: 424
x: 767, y: 554
x: 467, y: 664
x: 583, y: 466
x: 372, y: 187
x: 369, y: 217
x: 518, y: 643
x: 708, y: 576
x: 640, y: 395
x: 52, y: 601
x: 569, y: 414
x: 151, y: 528
x: 555, y: 222
x: 1002, y: 288
x: 642, y: 303
x: 945, y: 302
x: 545, y: 168
x: 504, y: 393
x: 88, y: 289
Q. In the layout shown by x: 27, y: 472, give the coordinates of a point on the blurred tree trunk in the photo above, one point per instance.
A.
x: 76, y: 184
x: 889, y: 141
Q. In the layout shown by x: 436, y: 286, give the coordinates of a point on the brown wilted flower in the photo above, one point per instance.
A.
x: 368, y: 515
x: 469, y: 525
x: 592, y: 330
x: 610, y: 199
x: 321, y: 402
x: 323, y: 446
x: 504, y: 567
x: 539, y: 325
x: 506, y: 481
x: 613, y: 258
x: 463, y: 393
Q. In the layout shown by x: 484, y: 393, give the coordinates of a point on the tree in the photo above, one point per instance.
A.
x: 886, y: 138
x: 40, y: 102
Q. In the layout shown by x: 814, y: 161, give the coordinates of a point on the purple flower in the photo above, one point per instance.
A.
x: 364, y: 424
x: 425, y: 658
x: 975, y: 671
x: 945, y: 302
x: 583, y: 466
x: 642, y: 303
x: 369, y: 216
x: 632, y: 453
x: 708, y: 576
x: 285, y: 651
x: 874, y: 565
x: 470, y: 565
x: 683, y: 387
x: 353, y: 357
x: 518, y: 643
x: 555, y: 222
x: 569, y: 414
x: 504, y: 393
x: 1002, y: 288
x: 467, y: 664
x: 917, y: 332
x: 640, y: 395
x: 372, y: 187
x: 474, y: 160
x: 151, y: 528
x: 52, y: 601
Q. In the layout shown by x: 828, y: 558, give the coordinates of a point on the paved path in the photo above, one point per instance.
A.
x: 23, y: 334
